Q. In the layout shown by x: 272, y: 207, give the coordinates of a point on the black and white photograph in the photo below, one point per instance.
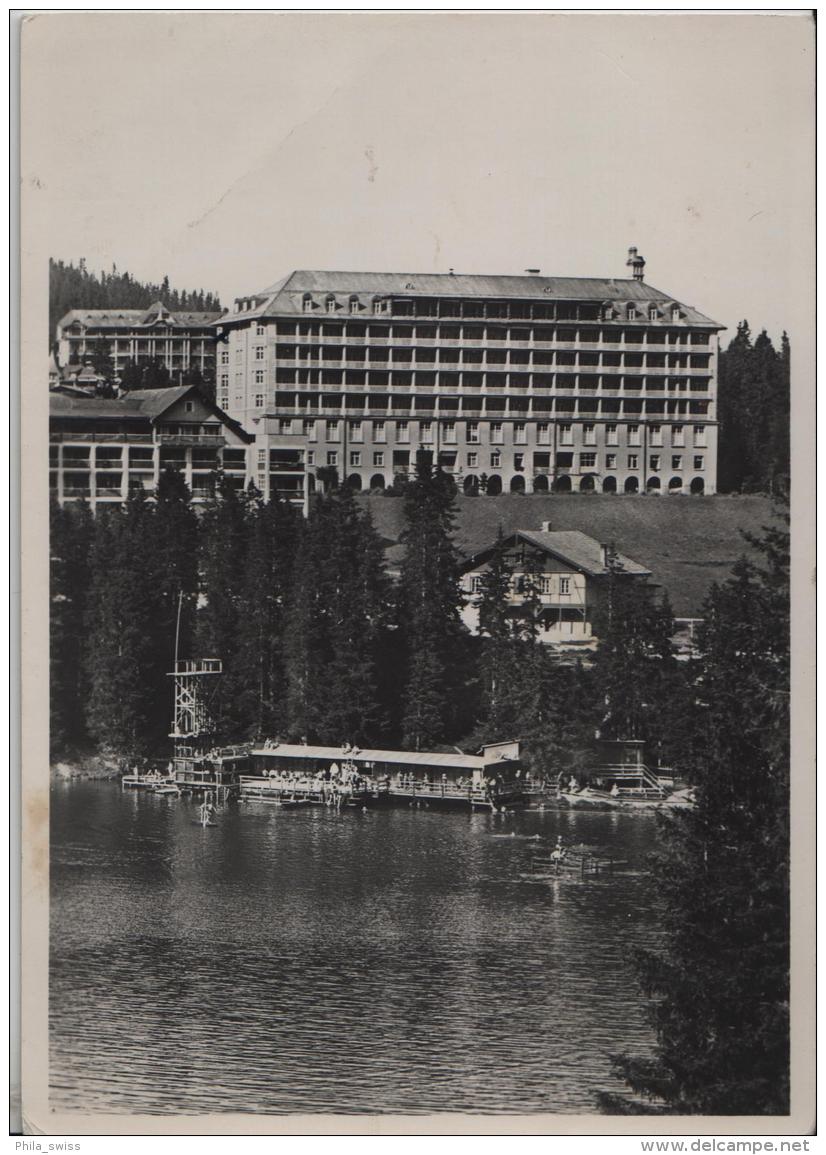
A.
x: 417, y: 605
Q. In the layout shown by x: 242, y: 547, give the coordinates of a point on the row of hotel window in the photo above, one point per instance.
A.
x: 496, y: 432
x: 378, y: 305
x: 299, y: 354
x: 451, y: 386
x: 563, y: 460
x: 386, y: 306
x: 613, y: 336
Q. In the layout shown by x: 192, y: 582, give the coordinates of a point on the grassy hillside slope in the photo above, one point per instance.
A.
x: 687, y: 542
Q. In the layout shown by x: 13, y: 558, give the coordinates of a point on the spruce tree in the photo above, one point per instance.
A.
x: 719, y: 984
x: 430, y: 599
x: 257, y: 675
x: 224, y: 534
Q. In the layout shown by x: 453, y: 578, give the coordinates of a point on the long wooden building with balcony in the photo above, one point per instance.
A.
x: 562, y: 575
x: 101, y: 448
x: 523, y: 384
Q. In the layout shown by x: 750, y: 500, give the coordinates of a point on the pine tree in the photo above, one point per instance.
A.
x: 430, y: 601
x: 719, y: 985
x: 257, y: 675
x: 223, y: 544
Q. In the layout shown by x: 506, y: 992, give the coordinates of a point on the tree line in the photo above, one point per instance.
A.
x: 319, y: 642
x: 75, y: 287
x: 754, y: 390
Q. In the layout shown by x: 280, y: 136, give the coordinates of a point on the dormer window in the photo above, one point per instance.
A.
x: 331, y: 304
x: 652, y: 313
x: 607, y: 313
x: 307, y: 303
x: 631, y: 312
x: 675, y: 313
x: 354, y: 304
x: 379, y: 305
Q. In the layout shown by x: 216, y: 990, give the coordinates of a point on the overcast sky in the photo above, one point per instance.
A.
x: 226, y: 150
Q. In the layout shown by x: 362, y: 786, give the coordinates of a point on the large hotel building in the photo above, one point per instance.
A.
x: 524, y: 384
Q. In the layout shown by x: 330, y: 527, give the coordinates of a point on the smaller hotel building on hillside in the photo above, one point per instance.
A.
x: 180, y: 340
x: 522, y: 384
x: 564, y: 571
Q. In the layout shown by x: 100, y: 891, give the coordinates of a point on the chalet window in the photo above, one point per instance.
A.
x: 426, y: 431
x: 520, y: 433
x: 677, y: 435
x: 259, y: 376
x: 259, y: 400
x: 633, y: 461
x: 259, y: 330
x: 656, y: 434
x: 564, y: 586
x: 450, y: 432
x: 566, y: 435
x: 378, y: 459
x: 495, y: 459
x: 473, y: 432
x: 309, y: 429
x: 589, y: 434
x: 378, y: 431
x: 355, y: 459
x: 676, y: 461
x: 496, y: 435
x: 698, y: 462
x: 610, y: 461
x: 332, y: 457
x: 543, y: 433
x: 472, y: 460
x: 587, y: 460
x: 699, y: 435
x: 633, y: 434
x: 225, y: 356
x: 654, y: 462
x: 402, y: 431
x: 332, y: 431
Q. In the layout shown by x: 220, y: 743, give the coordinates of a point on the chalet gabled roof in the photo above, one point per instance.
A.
x: 581, y: 552
x: 138, y: 404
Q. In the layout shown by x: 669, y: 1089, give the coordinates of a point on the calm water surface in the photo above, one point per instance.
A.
x: 306, y: 961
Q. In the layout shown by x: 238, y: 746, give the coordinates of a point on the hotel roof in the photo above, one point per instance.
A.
x: 288, y: 294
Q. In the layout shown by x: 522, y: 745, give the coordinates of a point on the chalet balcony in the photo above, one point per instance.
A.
x: 202, y: 440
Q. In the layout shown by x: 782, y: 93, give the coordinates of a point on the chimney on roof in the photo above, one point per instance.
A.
x: 532, y: 272
x: 606, y: 555
x: 546, y: 527
x: 637, y: 263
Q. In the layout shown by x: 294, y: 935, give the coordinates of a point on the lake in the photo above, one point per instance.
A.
x: 394, y: 961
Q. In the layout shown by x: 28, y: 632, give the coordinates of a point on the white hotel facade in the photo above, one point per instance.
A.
x: 525, y: 384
